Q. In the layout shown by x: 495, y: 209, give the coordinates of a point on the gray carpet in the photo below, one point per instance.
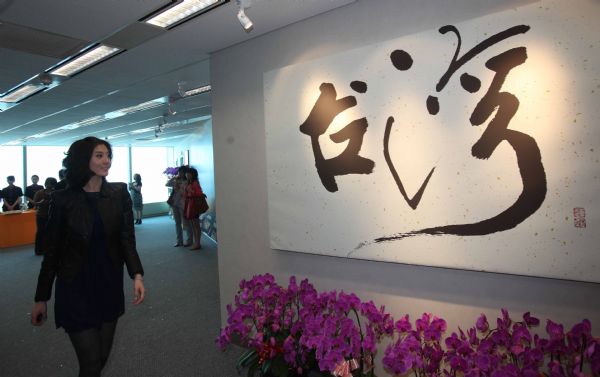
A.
x: 171, y: 334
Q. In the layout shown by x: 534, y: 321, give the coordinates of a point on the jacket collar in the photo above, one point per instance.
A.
x: 106, y: 190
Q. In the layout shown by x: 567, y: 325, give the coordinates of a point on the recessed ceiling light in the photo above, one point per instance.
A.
x: 85, y: 61
x: 200, y: 90
x: 21, y: 93
x: 181, y: 11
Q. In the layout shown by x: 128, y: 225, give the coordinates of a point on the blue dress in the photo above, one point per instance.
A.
x: 96, y: 294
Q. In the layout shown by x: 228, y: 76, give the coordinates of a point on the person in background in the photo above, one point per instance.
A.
x: 193, y: 191
x: 41, y: 199
x: 135, y: 188
x: 11, y: 195
x: 62, y: 182
x: 177, y: 203
x: 31, y: 190
x: 90, y: 236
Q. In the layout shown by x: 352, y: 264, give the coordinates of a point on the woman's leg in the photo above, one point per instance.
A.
x: 195, y: 223
x: 92, y: 347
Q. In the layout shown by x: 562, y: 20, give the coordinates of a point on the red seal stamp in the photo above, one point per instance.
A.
x: 579, y: 217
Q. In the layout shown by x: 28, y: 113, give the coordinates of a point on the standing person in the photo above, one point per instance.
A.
x: 192, y: 212
x: 90, y: 236
x: 12, y: 195
x: 32, y: 189
x: 41, y: 199
x: 135, y: 188
x: 179, y: 184
x: 62, y: 182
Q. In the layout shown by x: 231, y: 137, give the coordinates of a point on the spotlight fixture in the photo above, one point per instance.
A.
x: 241, y: 15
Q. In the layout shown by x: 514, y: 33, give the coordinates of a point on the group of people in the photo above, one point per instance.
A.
x: 186, y: 191
x: 36, y: 196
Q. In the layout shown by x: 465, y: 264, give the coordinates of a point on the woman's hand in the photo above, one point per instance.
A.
x: 39, y: 313
x: 139, y: 291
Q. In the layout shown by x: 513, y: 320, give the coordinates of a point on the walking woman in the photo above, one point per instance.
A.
x: 192, y: 209
x: 91, y: 237
x: 136, y: 197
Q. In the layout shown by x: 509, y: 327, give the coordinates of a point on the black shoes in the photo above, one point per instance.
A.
x: 139, y: 221
x: 178, y: 244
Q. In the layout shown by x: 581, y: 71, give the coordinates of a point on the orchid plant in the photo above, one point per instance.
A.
x: 291, y: 331
x: 295, y: 331
x: 171, y: 171
x: 510, y: 349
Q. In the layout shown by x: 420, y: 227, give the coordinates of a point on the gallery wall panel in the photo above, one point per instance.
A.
x: 471, y: 146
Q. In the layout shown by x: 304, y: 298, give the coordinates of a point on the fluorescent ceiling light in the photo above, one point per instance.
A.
x: 132, y: 109
x: 142, y: 130
x: 84, y: 61
x: 21, y: 93
x: 193, y: 92
x: 178, y: 12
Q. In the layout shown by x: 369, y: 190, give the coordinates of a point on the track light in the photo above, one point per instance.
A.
x: 241, y: 15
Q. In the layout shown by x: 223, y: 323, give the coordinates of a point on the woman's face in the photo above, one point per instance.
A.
x: 100, y: 161
x: 188, y: 175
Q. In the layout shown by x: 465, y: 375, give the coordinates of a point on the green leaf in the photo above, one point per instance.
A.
x: 245, y: 356
x: 266, y: 366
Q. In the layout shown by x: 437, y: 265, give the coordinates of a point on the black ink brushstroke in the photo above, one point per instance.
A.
x: 414, y: 201
x: 527, y: 152
x: 326, y: 108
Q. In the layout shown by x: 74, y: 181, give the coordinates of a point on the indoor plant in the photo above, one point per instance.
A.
x: 297, y: 331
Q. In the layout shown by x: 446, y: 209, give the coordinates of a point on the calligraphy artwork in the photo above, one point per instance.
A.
x: 451, y: 148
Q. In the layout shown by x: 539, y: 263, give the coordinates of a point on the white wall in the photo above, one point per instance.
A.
x: 241, y: 179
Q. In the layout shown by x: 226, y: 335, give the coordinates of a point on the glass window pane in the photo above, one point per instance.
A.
x: 119, y: 170
x: 150, y: 162
x: 12, y: 164
x: 44, y: 162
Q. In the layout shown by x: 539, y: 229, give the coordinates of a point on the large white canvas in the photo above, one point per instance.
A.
x: 558, y: 89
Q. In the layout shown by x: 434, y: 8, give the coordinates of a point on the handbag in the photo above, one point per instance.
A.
x: 195, y: 206
x: 202, y: 203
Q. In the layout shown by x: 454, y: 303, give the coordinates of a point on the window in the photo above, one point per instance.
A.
x: 44, y: 162
x: 12, y: 164
x: 119, y: 170
x: 150, y: 162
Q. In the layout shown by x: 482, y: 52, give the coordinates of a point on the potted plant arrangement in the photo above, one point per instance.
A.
x: 297, y: 331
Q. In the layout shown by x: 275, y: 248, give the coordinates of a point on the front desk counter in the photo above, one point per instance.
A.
x: 17, y: 228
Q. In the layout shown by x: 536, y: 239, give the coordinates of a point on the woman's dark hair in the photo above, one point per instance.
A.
x: 137, y: 178
x: 50, y: 182
x: 182, y: 169
x: 194, y: 174
x: 77, y: 162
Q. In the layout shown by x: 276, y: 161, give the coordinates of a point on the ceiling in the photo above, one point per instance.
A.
x: 157, y: 64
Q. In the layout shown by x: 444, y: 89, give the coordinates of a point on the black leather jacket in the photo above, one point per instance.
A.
x: 69, y: 230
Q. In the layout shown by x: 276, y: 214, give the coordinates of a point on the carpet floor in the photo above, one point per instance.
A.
x: 171, y: 334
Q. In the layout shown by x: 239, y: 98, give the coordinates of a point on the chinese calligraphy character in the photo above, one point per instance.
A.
x: 326, y: 108
x: 528, y: 154
x: 402, y: 61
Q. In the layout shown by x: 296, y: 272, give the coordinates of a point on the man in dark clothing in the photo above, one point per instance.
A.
x: 31, y: 190
x: 62, y: 183
x: 11, y: 195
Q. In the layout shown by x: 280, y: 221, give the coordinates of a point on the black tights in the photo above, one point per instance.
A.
x: 92, y: 347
